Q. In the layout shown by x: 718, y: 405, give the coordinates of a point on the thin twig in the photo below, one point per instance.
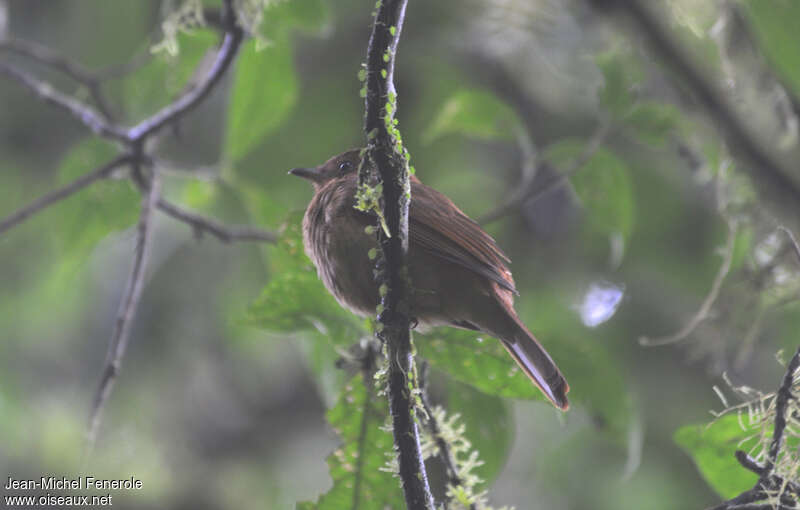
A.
x: 225, y: 233
x: 127, y: 310
x: 61, y: 193
x: 795, y: 245
x: 388, y: 163
x: 50, y: 58
x: 82, y: 112
x: 703, y: 312
x: 531, y: 193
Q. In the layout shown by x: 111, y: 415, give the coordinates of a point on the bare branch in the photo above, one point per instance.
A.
x: 82, y: 112
x: 127, y: 310
x: 48, y: 57
x: 227, y: 51
x: 202, y: 224
x: 711, y: 298
x: 62, y: 193
x: 135, y: 145
x: 529, y: 193
x: 135, y: 135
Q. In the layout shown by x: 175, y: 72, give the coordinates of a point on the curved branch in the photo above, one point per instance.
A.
x: 227, y: 51
x: 711, y: 298
x: 386, y: 159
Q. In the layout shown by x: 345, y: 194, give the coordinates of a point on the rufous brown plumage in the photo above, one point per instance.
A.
x: 458, y: 273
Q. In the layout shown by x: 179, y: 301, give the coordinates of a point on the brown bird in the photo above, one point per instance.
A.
x: 458, y: 273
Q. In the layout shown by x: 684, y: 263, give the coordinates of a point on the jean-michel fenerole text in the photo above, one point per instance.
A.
x: 64, y: 483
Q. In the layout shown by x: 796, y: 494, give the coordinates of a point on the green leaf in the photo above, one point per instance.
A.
x: 475, y: 114
x: 264, y: 90
x: 295, y: 300
x: 199, y: 194
x: 103, y: 207
x: 620, y: 74
x: 602, y: 184
x: 712, y: 448
x: 358, y: 481
x: 478, y: 360
x: 489, y: 426
x: 307, y: 15
x: 164, y: 77
x: 653, y: 122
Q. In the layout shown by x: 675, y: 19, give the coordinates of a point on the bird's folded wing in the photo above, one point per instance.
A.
x: 441, y: 229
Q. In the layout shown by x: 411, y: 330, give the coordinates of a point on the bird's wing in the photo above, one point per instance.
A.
x: 441, y: 229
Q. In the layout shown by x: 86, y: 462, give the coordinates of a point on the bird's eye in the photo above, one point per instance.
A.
x: 345, y: 166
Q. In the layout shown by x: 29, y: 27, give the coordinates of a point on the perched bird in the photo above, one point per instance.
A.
x: 458, y: 273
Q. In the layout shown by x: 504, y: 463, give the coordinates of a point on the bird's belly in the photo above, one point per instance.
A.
x: 343, y: 265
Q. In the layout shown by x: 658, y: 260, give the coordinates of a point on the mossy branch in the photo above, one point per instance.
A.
x: 386, y: 164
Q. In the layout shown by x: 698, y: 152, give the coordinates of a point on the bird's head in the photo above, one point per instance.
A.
x: 336, y: 167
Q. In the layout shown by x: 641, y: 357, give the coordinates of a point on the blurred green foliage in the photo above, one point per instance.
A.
x: 264, y: 90
x: 212, y: 409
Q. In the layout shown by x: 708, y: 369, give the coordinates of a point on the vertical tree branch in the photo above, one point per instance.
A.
x: 127, y: 310
x: 781, y: 402
x: 386, y: 157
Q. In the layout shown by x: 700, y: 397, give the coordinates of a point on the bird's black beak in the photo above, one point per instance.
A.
x: 311, y: 174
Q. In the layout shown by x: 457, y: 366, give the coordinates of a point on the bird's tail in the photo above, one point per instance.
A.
x: 537, y: 365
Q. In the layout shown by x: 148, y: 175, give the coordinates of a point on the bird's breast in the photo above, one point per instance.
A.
x: 335, y: 239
